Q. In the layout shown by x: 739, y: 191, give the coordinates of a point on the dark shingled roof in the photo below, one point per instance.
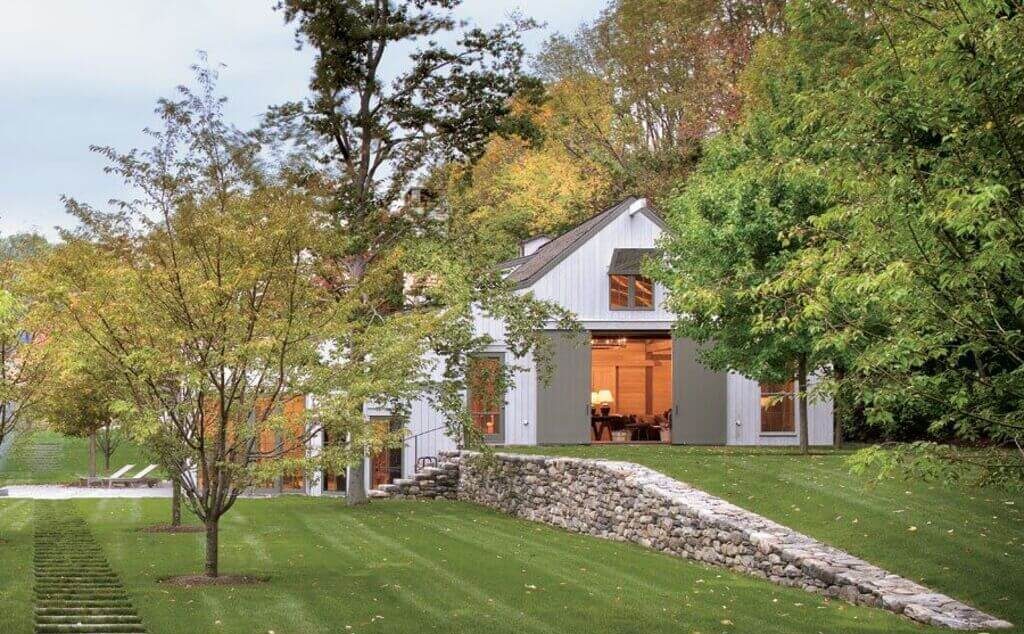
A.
x: 513, y: 263
x: 528, y: 270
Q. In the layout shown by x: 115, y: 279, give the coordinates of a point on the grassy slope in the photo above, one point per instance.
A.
x: 422, y: 567
x: 968, y: 542
x: 48, y: 457
x: 15, y: 566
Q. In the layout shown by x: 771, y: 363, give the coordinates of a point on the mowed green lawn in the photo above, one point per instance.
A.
x: 417, y: 567
x: 46, y: 457
x: 963, y: 541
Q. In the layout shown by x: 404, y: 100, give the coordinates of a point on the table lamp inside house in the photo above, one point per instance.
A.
x: 604, y: 397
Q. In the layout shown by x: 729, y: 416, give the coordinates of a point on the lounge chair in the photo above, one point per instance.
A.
x: 138, y: 479
x: 88, y: 481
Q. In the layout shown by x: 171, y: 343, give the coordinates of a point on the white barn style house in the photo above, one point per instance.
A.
x: 628, y: 381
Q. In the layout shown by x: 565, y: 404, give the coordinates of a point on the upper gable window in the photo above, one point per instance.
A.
x: 630, y: 292
x: 628, y: 289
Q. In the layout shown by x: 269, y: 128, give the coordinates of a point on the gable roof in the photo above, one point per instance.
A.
x: 531, y: 268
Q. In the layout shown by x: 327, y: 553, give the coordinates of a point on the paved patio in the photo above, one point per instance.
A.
x: 61, y: 492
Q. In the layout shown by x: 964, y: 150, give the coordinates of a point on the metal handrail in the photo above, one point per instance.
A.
x: 416, y: 445
x: 429, y: 431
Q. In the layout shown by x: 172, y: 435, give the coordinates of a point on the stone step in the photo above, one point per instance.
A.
x: 101, y: 577
x: 378, y: 494
x: 83, y: 604
x: 65, y: 610
x: 88, y: 619
x: 84, y: 628
x: 76, y: 590
x: 91, y: 573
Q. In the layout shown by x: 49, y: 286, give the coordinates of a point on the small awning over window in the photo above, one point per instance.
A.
x: 628, y: 261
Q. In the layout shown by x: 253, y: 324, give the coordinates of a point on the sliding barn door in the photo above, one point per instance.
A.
x: 563, y: 404
x: 699, y: 395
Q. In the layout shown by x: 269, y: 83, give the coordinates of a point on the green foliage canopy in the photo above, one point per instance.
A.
x: 889, y: 145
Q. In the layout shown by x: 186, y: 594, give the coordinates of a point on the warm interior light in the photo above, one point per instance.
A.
x: 604, y: 397
x: 594, y: 399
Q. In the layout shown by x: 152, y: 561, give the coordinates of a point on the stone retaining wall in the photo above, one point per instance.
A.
x: 627, y: 502
x: 440, y: 482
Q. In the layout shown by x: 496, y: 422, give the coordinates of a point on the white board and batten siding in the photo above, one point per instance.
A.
x: 743, y: 414
x: 579, y: 282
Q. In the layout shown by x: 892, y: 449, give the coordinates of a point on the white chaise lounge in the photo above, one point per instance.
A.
x: 140, y: 478
x: 88, y: 481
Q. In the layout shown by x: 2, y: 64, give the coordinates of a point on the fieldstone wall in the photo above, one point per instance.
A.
x: 627, y: 502
x: 431, y: 483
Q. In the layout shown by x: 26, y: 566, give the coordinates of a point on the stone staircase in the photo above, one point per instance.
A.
x: 440, y: 482
x: 76, y: 590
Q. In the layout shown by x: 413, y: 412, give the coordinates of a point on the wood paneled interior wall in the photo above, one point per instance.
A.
x: 293, y: 409
x: 638, y: 372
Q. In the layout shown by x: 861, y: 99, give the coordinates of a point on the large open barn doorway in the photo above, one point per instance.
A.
x: 631, y: 387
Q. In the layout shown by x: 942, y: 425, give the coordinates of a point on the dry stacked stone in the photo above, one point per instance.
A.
x: 440, y: 482
x: 627, y: 502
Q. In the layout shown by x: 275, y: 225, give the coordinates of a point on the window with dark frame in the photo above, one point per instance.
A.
x: 486, y: 401
x: 630, y: 292
x: 778, y: 411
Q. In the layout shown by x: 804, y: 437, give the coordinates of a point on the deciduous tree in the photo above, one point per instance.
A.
x: 201, y: 293
x: 220, y: 296
x: 672, y: 69
x: 82, y: 397
x: 901, y: 250
x: 24, y: 350
x: 389, y: 98
x: 538, y: 183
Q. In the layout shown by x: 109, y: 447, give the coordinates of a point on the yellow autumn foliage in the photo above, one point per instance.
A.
x: 520, y: 188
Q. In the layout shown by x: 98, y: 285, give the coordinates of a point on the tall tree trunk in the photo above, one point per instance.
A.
x: 106, y: 460
x: 802, y: 378
x: 212, y: 568
x: 175, y: 502
x: 92, y: 456
x: 355, y: 485
x: 841, y: 407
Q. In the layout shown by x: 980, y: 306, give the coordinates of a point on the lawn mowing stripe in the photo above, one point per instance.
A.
x: 582, y: 556
x: 578, y: 558
x: 341, y: 547
x: 76, y: 590
x: 455, y: 581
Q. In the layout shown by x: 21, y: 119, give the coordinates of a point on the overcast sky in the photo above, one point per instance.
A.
x: 81, y: 72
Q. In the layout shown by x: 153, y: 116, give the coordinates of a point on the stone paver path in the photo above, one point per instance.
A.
x: 76, y: 590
